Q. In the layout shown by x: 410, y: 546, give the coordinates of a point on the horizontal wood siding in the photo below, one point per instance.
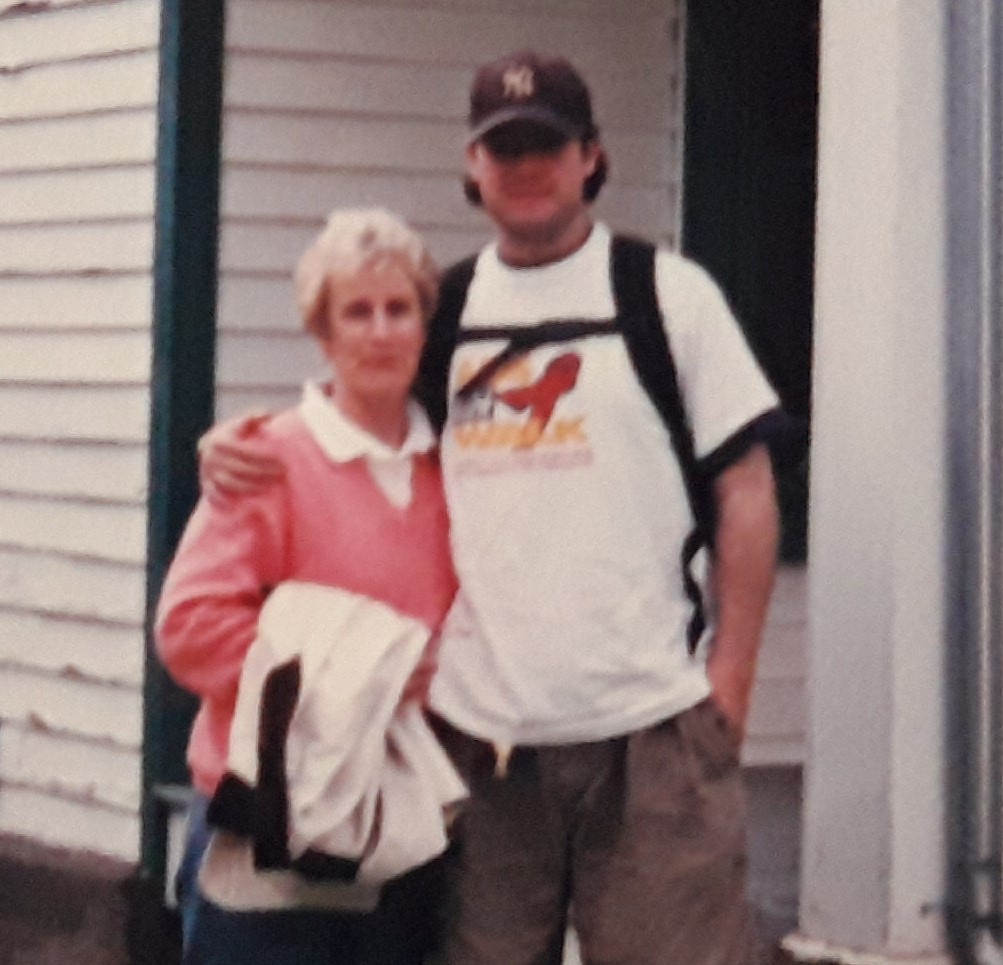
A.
x: 777, y: 722
x: 78, y: 92
x: 102, y: 650
x: 353, y: 103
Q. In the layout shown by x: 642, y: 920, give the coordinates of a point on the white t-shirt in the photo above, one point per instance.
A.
x: 568, y: 508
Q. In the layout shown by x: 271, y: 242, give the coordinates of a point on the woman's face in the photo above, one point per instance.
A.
x: 375, y: 334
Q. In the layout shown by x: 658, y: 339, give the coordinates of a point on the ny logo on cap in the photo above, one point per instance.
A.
x: 518, y: 83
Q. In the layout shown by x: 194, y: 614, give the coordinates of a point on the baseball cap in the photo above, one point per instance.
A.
x: 527, y: 86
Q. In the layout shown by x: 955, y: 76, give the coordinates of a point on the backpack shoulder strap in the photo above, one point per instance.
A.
x: 432, y: 383
x: 642, y: 325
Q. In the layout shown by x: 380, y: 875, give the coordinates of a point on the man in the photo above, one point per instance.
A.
x: 597, y: 723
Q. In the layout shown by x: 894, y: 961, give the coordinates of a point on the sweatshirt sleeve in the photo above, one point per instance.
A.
x: 231, y: 555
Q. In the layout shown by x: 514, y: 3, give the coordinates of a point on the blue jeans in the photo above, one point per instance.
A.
x: 401, y: 931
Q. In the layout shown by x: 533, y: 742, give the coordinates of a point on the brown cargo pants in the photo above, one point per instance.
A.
x: 637, y: 841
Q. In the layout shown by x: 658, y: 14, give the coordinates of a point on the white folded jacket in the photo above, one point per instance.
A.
x: 327, y: 768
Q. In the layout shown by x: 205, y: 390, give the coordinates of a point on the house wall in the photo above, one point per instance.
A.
x: 349, y: 103
x: 78, y: 93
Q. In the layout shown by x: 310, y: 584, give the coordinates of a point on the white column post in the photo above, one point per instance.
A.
x: 873, y: 863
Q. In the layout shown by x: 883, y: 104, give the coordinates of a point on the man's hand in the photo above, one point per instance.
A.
x: 231, y: 460
x: 731, y: 691
x: 744, y: 561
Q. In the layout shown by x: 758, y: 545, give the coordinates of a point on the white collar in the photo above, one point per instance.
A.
x: 342, y: 440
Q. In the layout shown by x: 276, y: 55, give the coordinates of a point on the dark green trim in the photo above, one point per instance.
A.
x: 748, y: 214
x: 184, y: 339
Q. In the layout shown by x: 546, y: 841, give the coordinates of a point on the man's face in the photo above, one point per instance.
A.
x: 531, y: 179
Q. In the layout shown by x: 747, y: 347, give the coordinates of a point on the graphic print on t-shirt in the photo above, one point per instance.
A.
x: 512, y: 413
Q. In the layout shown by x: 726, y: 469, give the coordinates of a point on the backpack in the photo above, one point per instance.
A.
x: 639, y: 321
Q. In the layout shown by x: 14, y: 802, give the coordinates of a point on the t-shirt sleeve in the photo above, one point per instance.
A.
x: 725, y: 393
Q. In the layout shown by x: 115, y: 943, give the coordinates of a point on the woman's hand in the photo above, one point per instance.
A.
x: 232, y: 461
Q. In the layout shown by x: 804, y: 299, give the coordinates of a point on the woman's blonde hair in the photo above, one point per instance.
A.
x: 352, y: 239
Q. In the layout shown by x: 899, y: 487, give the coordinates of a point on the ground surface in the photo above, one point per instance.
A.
x: 60, y: 907
x: 65, y: 908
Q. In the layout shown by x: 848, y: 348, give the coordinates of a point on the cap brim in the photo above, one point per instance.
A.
x: 530, y: 114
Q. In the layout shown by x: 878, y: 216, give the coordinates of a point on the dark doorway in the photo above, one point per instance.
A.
x: 749, y: 197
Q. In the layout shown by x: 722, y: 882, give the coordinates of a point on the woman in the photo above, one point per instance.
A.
x: 361, y: 515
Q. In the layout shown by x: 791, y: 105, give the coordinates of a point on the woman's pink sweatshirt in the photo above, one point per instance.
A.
x: 327, y: 522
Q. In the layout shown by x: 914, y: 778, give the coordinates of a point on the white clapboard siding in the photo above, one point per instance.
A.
x: 436, y: 91
x: 258, y: 247
x: 317, y: 142
x: 78, y: 126
x: 238, y: 401
x: 73, y: 197
x: 320, y: 86
x: 100, y: 531
x: 650, y: 210
x: 86, y: 31
x: 286, y: 192
x: 269, y: 360
x: 6, y: 6
x: 94, y: 650
x: 86, y: 140
x: 112, y: 472
x: 563, y: 7
x: 95, y: 246
x: 81, y: 86
x: 97, y: 770
x: 96, y: 711
x: 254, y: 303
x: 91, y: 413
x: 97, y: 357
x: 84, y: 589
x: 64, y: 820
x: 354, y: 103
x: 777, y: 722
x: 100, y: 300
x: 605, y: 40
